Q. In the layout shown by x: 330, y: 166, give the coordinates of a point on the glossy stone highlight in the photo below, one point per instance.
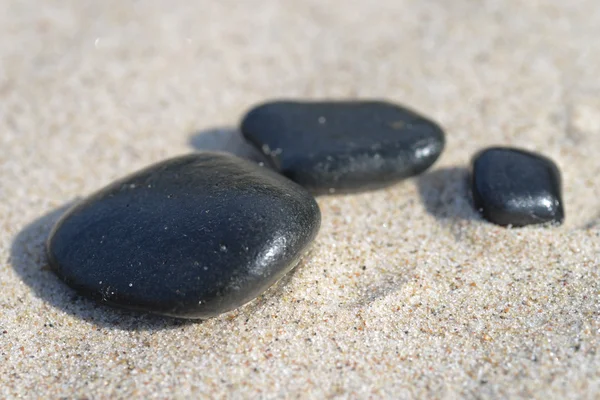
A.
x: 516, y: 187
x: 343, y: 145
x: 191, y: 237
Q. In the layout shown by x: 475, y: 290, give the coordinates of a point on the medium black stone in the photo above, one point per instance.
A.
x: 343, y: 145
x: 189, y: 237
x: 516, y: 187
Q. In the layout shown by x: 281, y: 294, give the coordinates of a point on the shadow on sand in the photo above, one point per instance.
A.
x: 226, y: 139
x: 445, y: 194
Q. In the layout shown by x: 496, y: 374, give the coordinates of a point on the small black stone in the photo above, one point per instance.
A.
x: 343, y: 145
x: 516, y: 187
x: 189, y: 237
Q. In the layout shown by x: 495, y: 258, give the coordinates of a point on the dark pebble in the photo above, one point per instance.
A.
x: 343, y: 145
x: 190, y: 237
x: 516, y: 187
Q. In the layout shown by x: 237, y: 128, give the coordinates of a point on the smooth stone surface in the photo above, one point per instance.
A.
x: 192, y: 237
x: 343, y: 145
x: 516, y: 187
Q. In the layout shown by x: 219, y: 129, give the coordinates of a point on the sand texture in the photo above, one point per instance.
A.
x: 407, y: 292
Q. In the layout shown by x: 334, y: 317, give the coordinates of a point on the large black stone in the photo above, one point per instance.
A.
x: 516, y: 187
x: 190, y: 237
x: 343, y: 145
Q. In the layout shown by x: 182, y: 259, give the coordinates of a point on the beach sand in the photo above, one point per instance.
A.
x: 407, y: 292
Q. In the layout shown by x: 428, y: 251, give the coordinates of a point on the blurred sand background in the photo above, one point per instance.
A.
x: 406, y: 293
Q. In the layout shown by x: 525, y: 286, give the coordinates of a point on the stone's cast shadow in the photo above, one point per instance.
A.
x: 28, y: 259
x: 226, y: 139
x: 446, y: 195
x: 594, y: 223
